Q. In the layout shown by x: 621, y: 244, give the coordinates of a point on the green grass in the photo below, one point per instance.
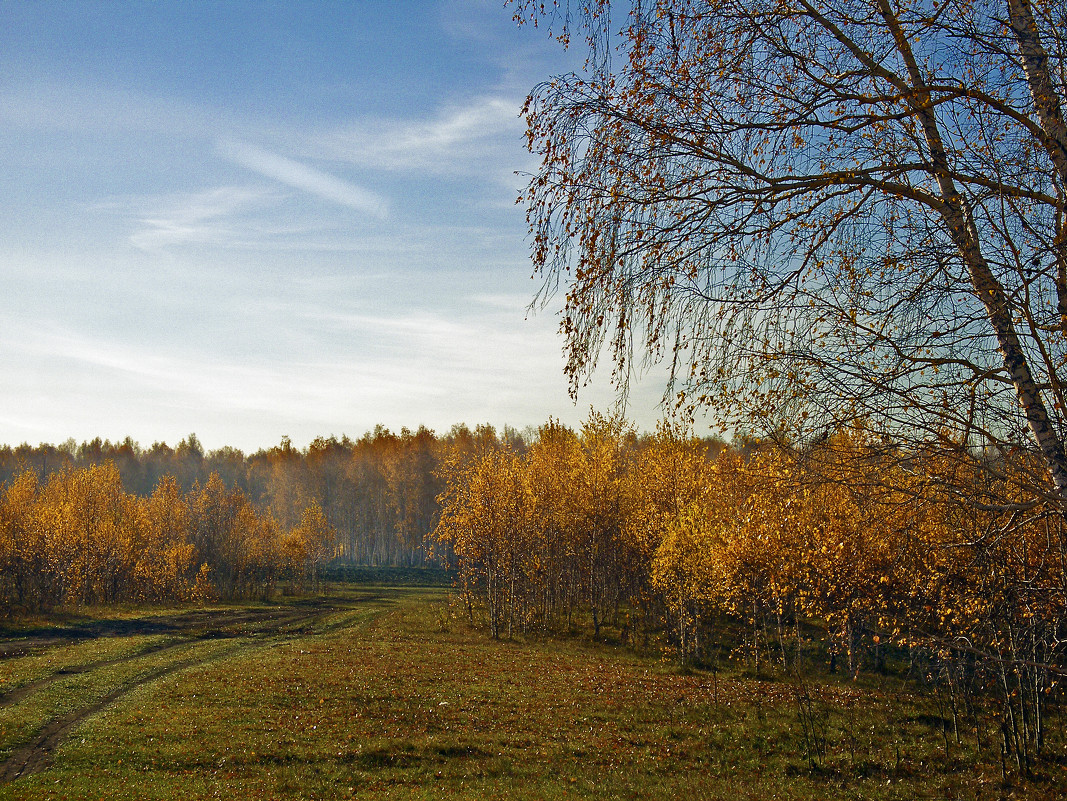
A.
x: 395, y: 697
x: 18, y: 671
x: 20, y: 721
x: 389, y: 576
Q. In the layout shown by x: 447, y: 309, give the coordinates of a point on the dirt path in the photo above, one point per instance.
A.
x: 36, y: 756
x: 262, y: 625
x: 12, y: 697
x: 194, y: 622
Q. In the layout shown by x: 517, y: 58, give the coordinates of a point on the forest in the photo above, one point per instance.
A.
x: 103, y: 522
x: 372, y: 500
x: 852, y: 550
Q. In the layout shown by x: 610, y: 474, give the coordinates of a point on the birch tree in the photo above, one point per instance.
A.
x: 816, y: 211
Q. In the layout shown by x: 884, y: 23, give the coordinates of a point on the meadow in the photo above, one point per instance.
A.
x: 378, y: 691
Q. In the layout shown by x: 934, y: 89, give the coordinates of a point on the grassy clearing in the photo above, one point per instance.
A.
x: 396, y: 698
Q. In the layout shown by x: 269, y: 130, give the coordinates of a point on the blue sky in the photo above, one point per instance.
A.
x: 256, y: 219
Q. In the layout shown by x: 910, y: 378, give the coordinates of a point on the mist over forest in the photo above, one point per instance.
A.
x: 378, y: 492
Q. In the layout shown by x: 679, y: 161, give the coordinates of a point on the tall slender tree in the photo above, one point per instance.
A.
x: 817, y: 211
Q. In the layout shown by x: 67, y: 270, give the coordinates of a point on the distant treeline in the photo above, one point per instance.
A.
x: 80, y: 539
x: 103, y: 522
x: 378, y: 492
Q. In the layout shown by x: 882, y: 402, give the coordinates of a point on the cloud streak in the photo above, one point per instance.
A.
x: 458, y: 140
x: 212, y: 217
x: 307, y: 179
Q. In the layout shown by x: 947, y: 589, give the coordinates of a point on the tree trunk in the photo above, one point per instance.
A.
x: 965, y: 236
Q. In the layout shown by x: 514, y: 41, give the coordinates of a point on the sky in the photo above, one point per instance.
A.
x: 250, y: 220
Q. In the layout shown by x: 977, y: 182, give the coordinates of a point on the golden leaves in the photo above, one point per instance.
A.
x: 81, y: 539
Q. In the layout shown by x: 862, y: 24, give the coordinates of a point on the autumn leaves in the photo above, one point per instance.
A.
x: 80, y: 538
x: 939, y: 557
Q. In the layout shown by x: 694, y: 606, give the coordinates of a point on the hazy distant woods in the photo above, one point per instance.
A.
x: 377, y: 492
x: 104, y: 523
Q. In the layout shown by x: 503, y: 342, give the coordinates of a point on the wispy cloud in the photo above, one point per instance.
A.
x: 300, y: 176
x: 235, y: 218
x: 198, y: 380
x: 467, y: 137
x: 459, y: 139
x: 214, y: 216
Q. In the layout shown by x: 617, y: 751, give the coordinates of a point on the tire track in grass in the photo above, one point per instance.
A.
x: 191, y: 623
x: 221, y: 629
x: 12, y: 697
x: 36, y: 755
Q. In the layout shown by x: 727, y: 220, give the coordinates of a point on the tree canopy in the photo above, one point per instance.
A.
x: 817, y: 211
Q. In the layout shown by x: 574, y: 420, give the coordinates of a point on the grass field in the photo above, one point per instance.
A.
x: 381, y: 692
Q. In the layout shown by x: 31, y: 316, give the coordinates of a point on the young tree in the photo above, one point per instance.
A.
x: 486, y: 521
x: 601, y: 512
x: 165, y: 558
x: 310, y: 545
x: 25, y: 576
x: 553, y: 462
x: 91, y: 520
x: 819, y: 211
x: 670, y: 473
